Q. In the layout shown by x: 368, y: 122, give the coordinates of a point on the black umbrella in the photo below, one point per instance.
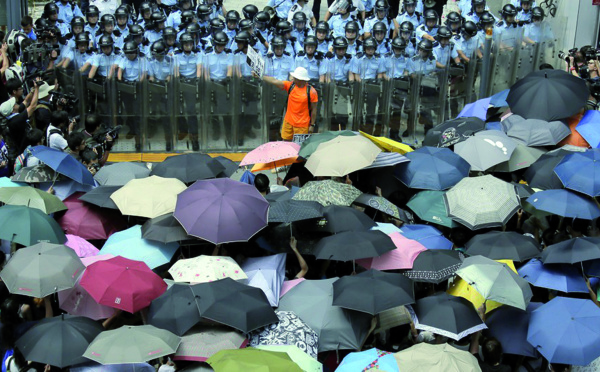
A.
x: 188, y: 167
x: 453, y: 131
x: 340, y: 219
x: 447, y: 315
x: 165, y: 229
x: 176, y: 310
x: 353, y: 245
x: 288, y: 211
x: 548, y: 95
x: 383, y: 205
x: 100, y: 196
x: 523, y: 191
x: 373, y: 291
x: 434, y: 266
x: 59, y: 341
x: 230, y: 167
x: 504, y: 245
x: 279, y: 196
x: 572, y: 251
x: 541, y: 174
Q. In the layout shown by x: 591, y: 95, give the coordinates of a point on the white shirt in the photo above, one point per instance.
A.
x: 306, y: 9
x: 56, y: 140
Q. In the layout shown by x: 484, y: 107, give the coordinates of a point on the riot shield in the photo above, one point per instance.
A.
x: 398, y: 98
x: 505, y: 62
x: 338, y: 108
x: 273, y: 104
x: 188, y: 96
x: 461, y: 85
x: 100, y: 93
x: 251, y: 126
x: 430, y: 88
x: 369, y: 99
x: 159, y: 102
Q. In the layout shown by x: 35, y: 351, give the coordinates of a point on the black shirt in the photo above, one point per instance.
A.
x: 17, y: 134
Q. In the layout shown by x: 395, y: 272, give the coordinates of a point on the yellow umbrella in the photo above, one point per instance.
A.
x: 436, y: 358
x: 275, y: 164
x: 460, y: 288
x: 389, y: 145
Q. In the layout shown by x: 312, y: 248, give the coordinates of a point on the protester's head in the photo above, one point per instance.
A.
x: 60, y: 119
x: 35, y: 137
x: 27, y: 24
x: 92, y: 123
x: 546, y: 66
x: 89, y: 158
x: 492, y: 351
x: 261, y: 182
x: 76, y: 142
x: 14, y: 87
x: 559, y: 367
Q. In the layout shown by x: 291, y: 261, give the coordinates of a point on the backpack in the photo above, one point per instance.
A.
x: 21, y: 160
x: 307, y: 95
x: 8, y: 356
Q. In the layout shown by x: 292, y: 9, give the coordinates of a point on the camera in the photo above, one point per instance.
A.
x: 565, y: 56
x: 67, y: 100
x: 594, y: 88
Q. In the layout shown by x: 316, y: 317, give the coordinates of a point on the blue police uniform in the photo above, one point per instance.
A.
x: 443, y: 54
x: 279, y: 67
x: 132, y: 70
x: 539, y: 33
x: 367, y: 67
x: 153, y: 35
x: 160, y: 70
x: 337, y: 67
x: 337, y: 25
x: 118, y: 40
x: 300, y: 35
x: 416, y: 18
x: 396, y: 66
x: 218, y: 63
x: 283, y: 7
x: 103, y: 62
x: 468, y: 47
x: 174, y: 19
x: 187, y: 64
x: 91, y: 30
x: 422, y: 30
x: 68, y: 11
x: 369, y: 22
x: 523, y: 16
x: 80, y: 59
x: 507, y: 35
x: 384, y: 47
x: 354, y: 48
x: 323, y: 46
x: 231, y: 35
x: 311, y: 64
x: 123, y: 31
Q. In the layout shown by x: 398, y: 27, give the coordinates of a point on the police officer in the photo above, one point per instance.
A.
x: 409, y: 15
x: 249, y: 88
x: 486, y: 22
x: 232, y: 20
x: 397, y: 71
x: 380, y: 16
x: 383, y: 43
x: 467, y: 46
x: 122, y: 18
x: 249, y: 11
x: 337, y: 22
x: 82, y: 55
x: 337, y: 69
x: 92, y: 27
x: 132, y: 70
x: 310, y: 59
x: 424, y: 64
x: 216, y: 25
x: 154, y: 32
x: 443, y: 49
x: 300, y: 30
x: 261, y: 20
x: 322, y: 33
x: 478, y: 7
x: 216, y: 8
x: 429, y: 29
x: 67, y: 10
x: 174, y: 18
x: 145, y: 10
x: 51, y: 15
x: 507, y: 32
x: 160, y: 72
x: 279, y: 63
x: 77, y: 27
x: 107, y: 23
x: 188, y: 70
x: 538, y: 31
x: 284, y: 29
x: 136, y: 34
x: 102, y: 68
x: 524, y: 12
x: 351, y: 32
x: 200, y: 39
x: 407, y: 32
x: 454, y: 21
x: 204, y: 17
x: 282, y: 8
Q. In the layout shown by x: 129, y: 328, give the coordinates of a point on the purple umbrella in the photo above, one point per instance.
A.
x: 509, y: 325
x: 477, y: 109
x: 266, y: 273
x: 221, y: 210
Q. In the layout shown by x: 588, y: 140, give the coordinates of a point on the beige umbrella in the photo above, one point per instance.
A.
x: 434, y: 358
x: 203, y: 269
x: 341, y: 156
x: 148, y: 197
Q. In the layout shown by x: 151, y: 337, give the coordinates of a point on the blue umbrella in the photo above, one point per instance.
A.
x: 130, y: 244
x: 564, y: 278
x: 509, y: 326
x: 477, y: 109
x: 97, y: 367
x: 432, y: 168
x: 64, y: 164
x: 499, y: 99
x: 266, y: 273
x: 564, y: 203
x: 371, y: 359
x: 429, y: 236
x: 64, y: 189
x: 6, y: 182
x: 592, y: 268
x: 566, y: 331
x: 248, y: 177
x: 589, y: 127
x: 580, y: 171
x: 494, y: 125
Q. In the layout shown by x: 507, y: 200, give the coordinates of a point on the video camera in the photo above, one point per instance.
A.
x: 565, y: 56
x: 67, y: 100
x: 100, y: 138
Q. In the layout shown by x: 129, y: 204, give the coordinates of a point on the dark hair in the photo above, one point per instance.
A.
x: 59, y: 118
x: 261, y: 182
x: 92, y: 122
x: 34, y: 137
x: 88, y: 155
x: 9, y: 316
x: 492, y: 351
x: 26, y: 21
x: 13, y: 85
x: 74, y: 140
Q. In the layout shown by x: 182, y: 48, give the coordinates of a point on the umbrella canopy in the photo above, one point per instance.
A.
x: 477, y: 109
x: 122, y: 283
x: 434, y: 266
x: 509, y: 326
x: 578, y: 171
x: 119, y: 174
x: 480, y: 202
x: 373, y: 291
x: 100, y: 196
x: 28, y: 226
x: 387, y: 159
x: 164, y: 229
x: 176, y: 310
x: 64, y: 189
x: 202, y: 342
x: 540, y: 174
x: 251, y: 359
x: 535, y: 132
x: 288, y: 211
x: 432, y: 168
x: 427, y: 235
x: 266, y: 273
x: 89, y: 221
x: 33, y: 198
x: 588, y: 128
x: 328, y: 192
x: 340, y: 219
x: 453, y: 131
x: 572, y: 251
x: 132, y: 344
x: 446, y: 315
x: 371, y: 359
x: 270, y: 152
x: 36, y: 174
x: 402, y: 257
x: 96, y: 367
x: 188, y: 167
x: 523, y: 190
x: 130, y: 244
x: 436, y: 358
x: 302, y: 359
x: 386, y: 144
x: 274, y: 164
x: 358, y: 151
x: 82, y: 247
x: 6, y: 182
x: 290, y: 330
x: 353, y: 245
x: 230, y: 167
x: 566, y: 331
x: 521, y: 158
x: 379, y: 203
x: 148, y: 197
x: 338, y: 328
x: 508, y: 245
x: 548, y: 95
x: 59, y: 341
x: 41, y: 269
x: 310, y: 145
x: 564, y: 203
x: 429, y: 205
x: 64, y: 164
x: 202, y: 269
x: 486, y: 149
x: 562, y: 278
x: 222, y: 210
x: 499, y: 99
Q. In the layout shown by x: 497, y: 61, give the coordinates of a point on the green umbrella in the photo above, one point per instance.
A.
x: 251, y: 359
x: 430, y: 206
x: 36, y: 174
x: 33, y: 198
x: 310, y: 145
x: 29, y: 226
x: 328, y: 192
x: 303, y: 360
x: 521, y: 158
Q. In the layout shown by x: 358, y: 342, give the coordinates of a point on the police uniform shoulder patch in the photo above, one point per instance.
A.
x: 227, y: 50
x: 319, y: 56
x: 68, y: 36
x: 436, y: 44
x: 178, y: 51
x: 117, y: 33
x: 416, y: 58
x: 371, y: 17
x: 389, y: 54
x: 142, y: 54
x: 270, y: 55
x: 348, y: 56
x: 359, y: 55
x: 98, y: 33
x: 286, y: 53
x: 238, y: 51
x: 500, y: 24
x: 456, y: 37
x: 301, y: 53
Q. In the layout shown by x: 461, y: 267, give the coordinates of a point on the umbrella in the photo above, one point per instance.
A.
x: 572, y: 251
x: 89, y: 221
x: 64, y: 164
x: 436, y: 358
x: 6, y: 182
x: 477, y: 109
x: 36, y: 174
x: 358, y: 151
x: 290, y: 330
x: 337, y: 328
x: 164, y: 229
x: 148, y: 197
x: 566, y: 331
x: 59, y: 341
x: 122, y: 283
x: 270, y: 152
x: 33, y: 198
x: 453, y: 131
x: 548, y: 95
x: 100, y: 196
x: 202, y: 342
x: 592, y: 268
x: 535, y: 132
x: 495, y: 281
x: 64, y: 189
x: 28, y: 226
x: 288, y: 211
x: 96, y: 367
x: 353, y: 245
x: 387, y: 159
x: 82, y: 247
x: 222, y: 210
x: 498, y: 245
x: 588, y: 127
x: 564, y: 203
x: 230, y: 166
x: 429, y: 236
x: 373, y: 291
x: 486, y: 149
x: 574, y: 139
x: 251, y: 359
x: 429, y: 206
x: 340, y: 219
x: 446, y: 315
x: 266, y: 273
x: 541, y: 174
x: 402, y: 257
x: 41, y: 269
x: 119, y: 174
x: 523, y: 190
x: 432, y: 168
x: 480, y: 202
x: 577, y: 171
x: 132, y: 344
x: 328, y: 192
x: 274, y: 164
x: 130, y: 244
x: 310, y: 145
x: 202, y: 269
x: 302, y: 359
x: 188, y: 167
x: 434, y: 266
x: 282, y: 195
x: 234, y: 304
x: 562, y: 278
x: 381, y: 204
x: 386, y: 144
x: 371, y: 359
x: 499, y: 99
x: 521, y: 158
x: 509, y: 326
x: 176, y: 310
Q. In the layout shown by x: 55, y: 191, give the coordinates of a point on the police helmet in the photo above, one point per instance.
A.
x: 158, y: 17
x: 487, y: 19
x: 509, y: 10
x: 322, y: 27
x: 470, y: 28
x: 77, y: 21
x: 425, y: 45
x: 136, y: 30
x: 453, y: 18
x: 49, y: 9
x: 130, y: 47
x: 475, y: 3
x: 82, y: 38
x: 193, y: 29
x: 299, y: 17
x: 369, y: 43
x: 106, y: 40
x: 379, y: 27
x: 431, y: 14
x: 92, y: 11
x: 311, y: 40
x: 278, y: 41
x: 186, y: 37
x: 444, y: 32
x: 216, y: 24
x: 167, y: 32
x: 283, y: 27
x: 220, y: 38
x: 410, y: 3
x: 340, y: 42
x: 232, y: 16
x: 262, y: 18
x: 121, y: 12
x: 407, y: 26
x: 538, y: 13
x: 243, y: 36
x: 245, y: 24
x: 203, y: 11
x: 107, y: 19
x: 351, y: 26
x: 249, y: 11
x: 187, y: 16
x: 381, y: 5
x: 399, y: 43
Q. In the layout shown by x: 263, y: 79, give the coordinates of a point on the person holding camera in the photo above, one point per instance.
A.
x: 89, y: 158
x: 60, y: 126
x: 94, y: 135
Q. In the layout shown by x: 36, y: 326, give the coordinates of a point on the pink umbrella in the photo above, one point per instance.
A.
x: 82, y: 247
x: 87, y: 261
x: 122, y: 283
x: 400, y: 258
x: 289, y: 284
x: 270, y: 152
x: 88, y: 221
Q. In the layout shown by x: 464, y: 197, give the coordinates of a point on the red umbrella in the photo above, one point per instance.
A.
x: 122, y: 283
x: 88, y: 221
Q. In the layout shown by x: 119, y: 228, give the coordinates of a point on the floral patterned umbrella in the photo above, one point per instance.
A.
x: 328, y: 192
x: 203, y: 269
